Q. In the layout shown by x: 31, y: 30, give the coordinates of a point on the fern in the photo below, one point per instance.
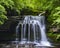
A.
x: 2, y: 14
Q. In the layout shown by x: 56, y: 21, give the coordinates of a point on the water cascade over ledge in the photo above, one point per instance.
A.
x: 32, y: 31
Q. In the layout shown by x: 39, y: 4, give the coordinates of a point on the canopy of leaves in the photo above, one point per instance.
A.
x: 52, y: 6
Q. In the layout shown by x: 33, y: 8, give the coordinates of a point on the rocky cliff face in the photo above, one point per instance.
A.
x: 7, y: 30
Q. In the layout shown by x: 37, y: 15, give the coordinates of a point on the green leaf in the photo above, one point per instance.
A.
x: 58, y: 8
x: 1, y: 22
x: 58, y: 36
x: 2, y: 9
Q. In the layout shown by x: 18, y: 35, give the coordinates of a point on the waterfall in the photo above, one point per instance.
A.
x: 17, y: 32
x: 34, y: 28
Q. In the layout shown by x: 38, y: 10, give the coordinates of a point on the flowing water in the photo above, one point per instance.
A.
x: 34, y: 28
x: 32, y: 32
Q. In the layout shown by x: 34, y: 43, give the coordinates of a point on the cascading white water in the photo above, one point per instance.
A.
x: 17, y: 32
x: 37, y: 23
x: 17, y: 35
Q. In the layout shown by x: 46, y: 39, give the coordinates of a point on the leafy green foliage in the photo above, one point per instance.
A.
x: 54, y: 37
x: 54, y: 17
x: 57, y: 15
x: 52, y: 6
x: 3, y: 12
x: 58, y: 36
x: 7, y: 3
x: 2, y: 16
